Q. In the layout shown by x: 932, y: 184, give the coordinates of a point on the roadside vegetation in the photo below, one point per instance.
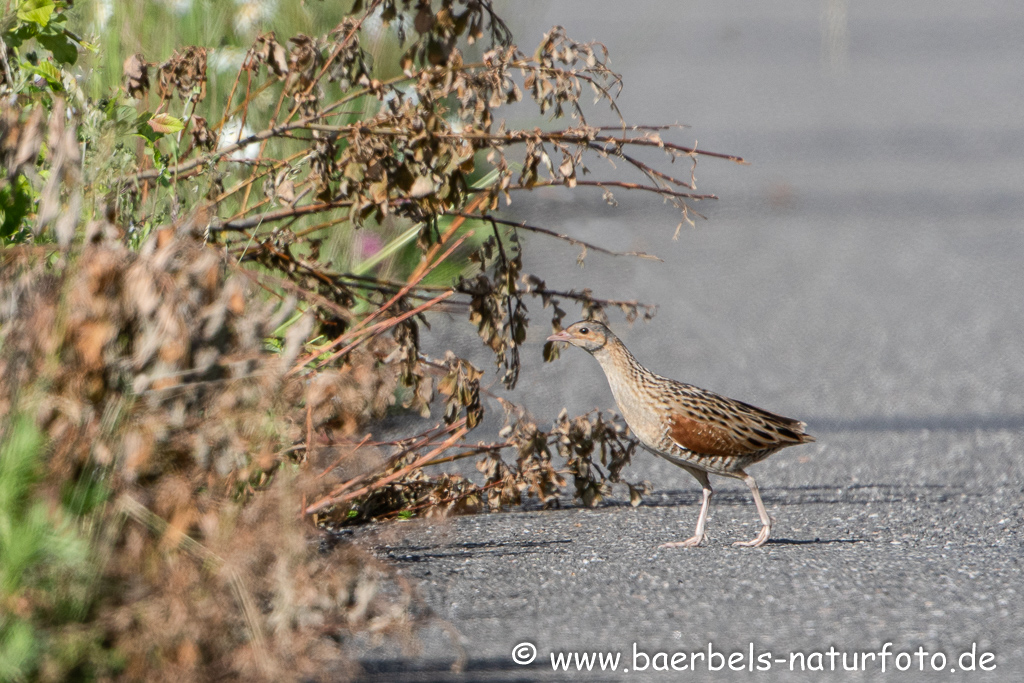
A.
x: 219, y: 259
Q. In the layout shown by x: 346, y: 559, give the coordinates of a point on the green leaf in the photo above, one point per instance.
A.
x: 51, y: 73
x: 84, y: 495
x: 15, y: 203
x: 19, y: 650
x: 144, y: 130
x: 36, y: 11
x: 59, y: 45
x: 19, y: 35
x: 165, y: 123
x: 121, y: 114
x: 19, y: 457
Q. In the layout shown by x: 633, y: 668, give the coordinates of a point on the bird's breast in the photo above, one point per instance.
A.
x: 640, y: 411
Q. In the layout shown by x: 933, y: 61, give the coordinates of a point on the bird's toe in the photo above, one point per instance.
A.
x: 691, y: 542
x: 757, y: 541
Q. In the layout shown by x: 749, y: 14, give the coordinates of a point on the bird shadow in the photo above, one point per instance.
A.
x: 424, y: 553
x: 413, y: 554
x: 816, y: 541
x: 853, y: 494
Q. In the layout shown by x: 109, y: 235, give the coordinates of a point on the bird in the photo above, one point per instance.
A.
x: 698, y: 430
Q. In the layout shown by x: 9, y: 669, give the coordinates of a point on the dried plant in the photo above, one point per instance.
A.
x: 187, y: 325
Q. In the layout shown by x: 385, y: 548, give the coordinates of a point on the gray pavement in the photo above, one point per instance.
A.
x: 864, y: 274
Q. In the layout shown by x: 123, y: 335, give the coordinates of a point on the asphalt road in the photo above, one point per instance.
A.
x: 864, y: 274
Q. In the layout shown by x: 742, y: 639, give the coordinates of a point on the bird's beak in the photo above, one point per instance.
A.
x: 562, y: 336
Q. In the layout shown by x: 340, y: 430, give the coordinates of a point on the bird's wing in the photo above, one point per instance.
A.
x: 709, y: 424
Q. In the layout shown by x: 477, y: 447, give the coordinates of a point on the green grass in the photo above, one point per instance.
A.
x: 156, y: 28
x: 46, y: 566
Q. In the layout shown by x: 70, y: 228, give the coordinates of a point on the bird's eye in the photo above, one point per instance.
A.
x: 584, y: 330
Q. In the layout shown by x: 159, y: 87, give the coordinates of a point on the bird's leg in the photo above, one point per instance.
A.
x: 766, y: 521
x: 698, y: 535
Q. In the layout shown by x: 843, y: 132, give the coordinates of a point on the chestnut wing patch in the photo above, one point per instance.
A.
x: 707, y: 438
x: 708, y: 424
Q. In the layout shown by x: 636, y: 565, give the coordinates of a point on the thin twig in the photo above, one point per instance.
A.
x: 385, y: 325
x: 343, y: 456
x: 358, y: 329
x: 327, y: 501
x: 609, y: 183
x: 545, y: 231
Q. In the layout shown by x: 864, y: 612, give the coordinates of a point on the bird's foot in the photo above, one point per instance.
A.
x: 691, y: 542
x: 758, y: 540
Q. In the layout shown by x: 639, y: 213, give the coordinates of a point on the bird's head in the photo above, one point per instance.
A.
x: 589, y: 335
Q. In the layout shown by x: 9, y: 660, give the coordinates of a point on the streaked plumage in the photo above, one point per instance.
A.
x: 695, y: 429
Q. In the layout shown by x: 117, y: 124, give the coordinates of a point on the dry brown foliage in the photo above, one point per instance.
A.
x: 192, y: 356
x: 147, y: 372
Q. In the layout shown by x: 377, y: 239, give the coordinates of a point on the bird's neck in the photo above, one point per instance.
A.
x: 631, y: 385
x: 619, y: 365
